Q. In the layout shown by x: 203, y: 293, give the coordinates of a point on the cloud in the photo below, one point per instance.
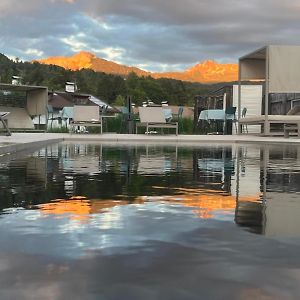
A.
x: 157, y: 34
x: 34, y: 52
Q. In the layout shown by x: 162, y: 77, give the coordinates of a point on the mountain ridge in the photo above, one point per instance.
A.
x: 207, y: 71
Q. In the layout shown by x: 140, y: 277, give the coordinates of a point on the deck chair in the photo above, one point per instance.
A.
x: 287, y: 128
x: 154, y: 117
x: 3, y: 115
x: 177, y: 117
x: 231, y: 116
x: 168, y: 114
x: 244, y: 126
x: 87, y: 116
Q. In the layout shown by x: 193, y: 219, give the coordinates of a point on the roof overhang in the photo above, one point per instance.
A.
x: 257, y: 54
x: 20, y: 88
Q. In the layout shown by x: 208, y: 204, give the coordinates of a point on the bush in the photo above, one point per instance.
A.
x: 58, y: 130
x: 185, y: 126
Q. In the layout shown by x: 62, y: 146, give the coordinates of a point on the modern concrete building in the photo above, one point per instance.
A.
x: 277, y: 67
x: 23, y: 102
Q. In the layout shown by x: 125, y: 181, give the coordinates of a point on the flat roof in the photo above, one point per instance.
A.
x: 21, y: 88
x: 257, y: 54
x: 261, y: 53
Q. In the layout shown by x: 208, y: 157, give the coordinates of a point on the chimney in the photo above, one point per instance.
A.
x: 71, y: 87
x: 16, y: 80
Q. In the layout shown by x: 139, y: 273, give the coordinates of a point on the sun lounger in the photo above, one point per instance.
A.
x: 87, y: 116
x: 272, y: 119
x: 2, y: 117
x: 291, y: 128
x: 153, y: 117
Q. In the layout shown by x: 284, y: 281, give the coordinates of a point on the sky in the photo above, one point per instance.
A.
x: 155, y: 35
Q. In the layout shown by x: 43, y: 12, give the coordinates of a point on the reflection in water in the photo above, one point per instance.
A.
x: 87, y: 221
x: 79, y: 208
x: 257, y: 187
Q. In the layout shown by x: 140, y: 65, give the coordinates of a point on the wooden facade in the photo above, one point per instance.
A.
x: 280, y: 104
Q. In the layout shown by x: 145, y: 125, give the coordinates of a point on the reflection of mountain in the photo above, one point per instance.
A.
x: 205, y: 203
x: 78, y: 209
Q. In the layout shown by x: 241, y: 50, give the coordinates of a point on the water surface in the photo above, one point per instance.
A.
x: 92, y: 221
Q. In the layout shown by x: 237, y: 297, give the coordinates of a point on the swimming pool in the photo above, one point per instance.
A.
x: 100, y: 221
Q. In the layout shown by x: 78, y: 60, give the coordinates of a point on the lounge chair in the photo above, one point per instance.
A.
x: 87, y: 116
x: 177, y: 116
x: 154, y: 117
x: 230, y: 115
x: 272, y: 119
x: 244, y: 112
x: 295, y: 111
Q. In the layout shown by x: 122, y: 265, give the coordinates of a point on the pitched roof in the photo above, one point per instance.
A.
x: 58, y: 101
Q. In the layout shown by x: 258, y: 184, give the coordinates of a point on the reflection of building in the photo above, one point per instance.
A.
x: 214, y: 167
x: 230, y: 175
x: 282, y: 209
x: 255, y: 186
x: 22, y: 179
x: 154, y: 164
x: 282, y: 215
x: 249, y: 209
x: 276, y: 171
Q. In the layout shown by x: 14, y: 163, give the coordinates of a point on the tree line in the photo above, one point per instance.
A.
x: 110, y: 88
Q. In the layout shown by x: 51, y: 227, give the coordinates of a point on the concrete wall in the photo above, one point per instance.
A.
x: 37, y: 101
x: 18, y: 118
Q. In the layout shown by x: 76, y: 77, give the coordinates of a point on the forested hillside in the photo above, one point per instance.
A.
x: 110, y: 88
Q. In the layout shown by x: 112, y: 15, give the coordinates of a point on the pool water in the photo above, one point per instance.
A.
x: 98, y: 221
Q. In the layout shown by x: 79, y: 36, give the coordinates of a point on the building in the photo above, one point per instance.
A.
x: 60, y: 108
x: 227, y: 96
x: 24, y: 103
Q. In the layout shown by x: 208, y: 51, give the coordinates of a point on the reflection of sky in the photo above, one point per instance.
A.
x: 118, y: 227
